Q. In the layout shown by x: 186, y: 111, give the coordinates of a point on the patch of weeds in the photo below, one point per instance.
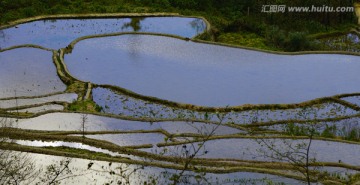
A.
x: 78, y: 151
x: 299, y: 130
x: 329, y: 131
x: 84, y: 106
x: 245, y: 39
x: 76, y: 87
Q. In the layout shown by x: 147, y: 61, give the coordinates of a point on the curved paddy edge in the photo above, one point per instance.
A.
x: 73, y: 43
x: 25, y: 46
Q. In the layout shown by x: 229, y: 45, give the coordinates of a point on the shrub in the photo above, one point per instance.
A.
x: 184, y: 4
x: 297, y: 41
x: 275, y: 36
x: 248, y: 24
x: 329, y: 131
x: 350, y: 131
x: 29, y: 12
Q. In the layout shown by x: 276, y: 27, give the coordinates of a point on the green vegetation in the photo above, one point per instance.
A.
x: 84, y: 106
x: 245, y: 39
x: 76, y: 87
x: 347, y: 131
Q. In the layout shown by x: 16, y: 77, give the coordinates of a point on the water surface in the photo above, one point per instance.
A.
x: 211, y: 75
x: 42, y: 108
x: 66, y: 144
x: 29, y: 72
x: 130, y: 139
x: 353, y: 99
x: 66, y: 97
x: 86, y: 176
x: 248, y: 149
x: 59, y: 33
x: 120, y: 104
x: 72, y: 121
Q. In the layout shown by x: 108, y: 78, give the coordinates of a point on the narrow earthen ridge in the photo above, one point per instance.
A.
x: 59, y: 70
x: 71, y: 46
x: 25, y: 46
x: 61, y: 54
x: 88, y: 91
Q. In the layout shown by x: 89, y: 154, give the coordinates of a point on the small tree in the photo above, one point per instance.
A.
x: 15, y: 167
x: 290, y: 150
x: 121, y: 173
x: 54, y: 173
x: 84, y: 119
x: 188, y: 153
x: 19, y: 168
x: 297, y: 41
x: 124, y: 173
x: 296, y: 154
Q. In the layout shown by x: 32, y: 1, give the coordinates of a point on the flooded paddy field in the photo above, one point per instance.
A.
x: 28, y: 72
x: 249, y: 149
x: 97, y: 175
x: 40, y: 109
x: 58, y: 33
x: 154, y: 105
x: 66, y: 97
x: 120, y: 104
x: 72, y: 122
x: 199, y: 74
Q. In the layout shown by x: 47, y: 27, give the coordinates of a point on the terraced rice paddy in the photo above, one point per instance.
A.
x: 35, y: 73
x: 58, y: 33
x: 194, y: 73
x: 165, y: 104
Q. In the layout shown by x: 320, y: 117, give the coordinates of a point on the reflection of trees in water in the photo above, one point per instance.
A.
x: 198, y: 25
x: 2, y: 34
x: 2, y: 37
x: 134, y: 23
x: 134, y: 47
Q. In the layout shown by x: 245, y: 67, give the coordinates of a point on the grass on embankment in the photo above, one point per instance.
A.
x: 245, y: 39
